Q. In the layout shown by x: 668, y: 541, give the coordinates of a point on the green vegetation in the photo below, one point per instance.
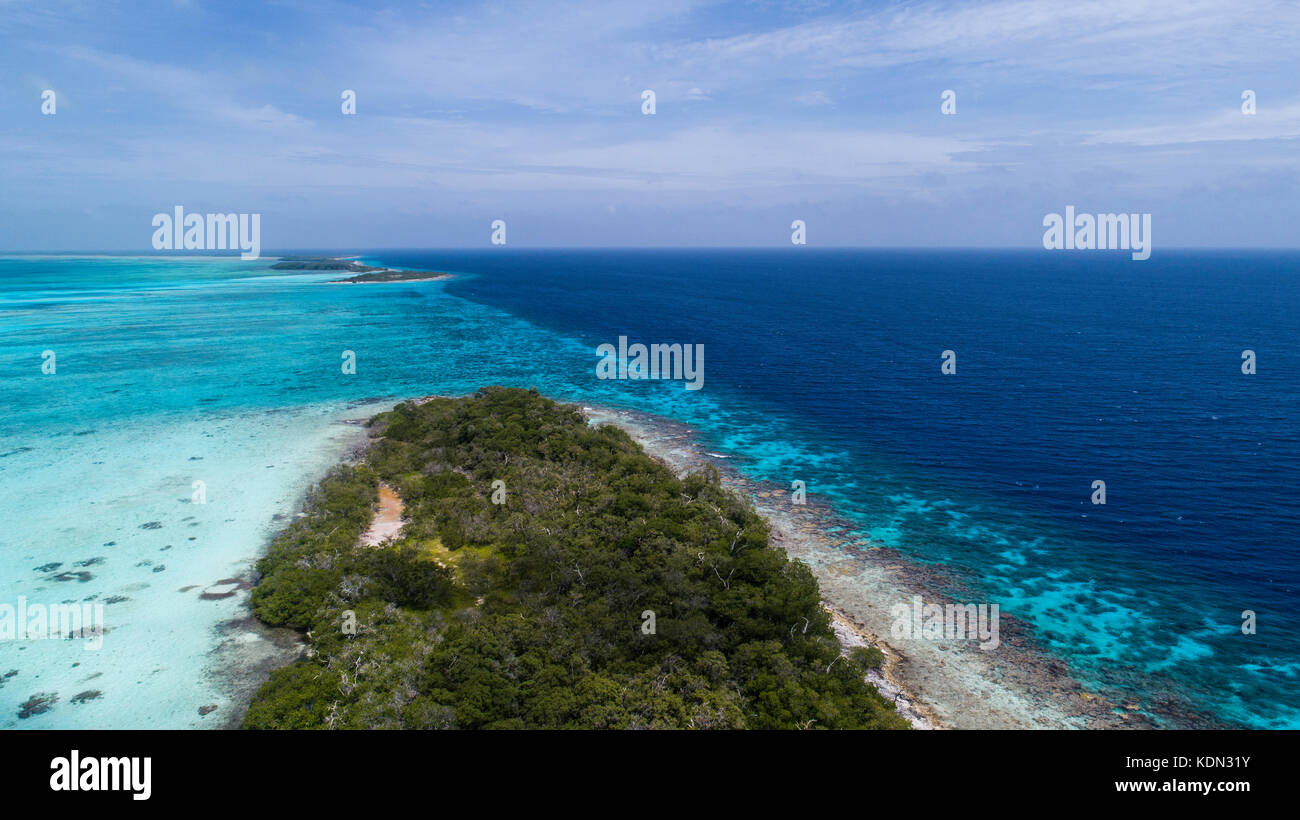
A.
x: 534, y: 613
x: 382, y: 275
x: 871, y: 657
x: 364, y: 273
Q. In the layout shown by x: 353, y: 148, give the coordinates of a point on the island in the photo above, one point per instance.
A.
x: 365, y: 274
x: 495, y: 561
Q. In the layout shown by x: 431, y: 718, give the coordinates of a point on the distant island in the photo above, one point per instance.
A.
x: 365, y: 274
x: 528, y: 570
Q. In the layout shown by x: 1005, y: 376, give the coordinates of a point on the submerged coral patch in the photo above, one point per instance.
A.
x: 37, y: 704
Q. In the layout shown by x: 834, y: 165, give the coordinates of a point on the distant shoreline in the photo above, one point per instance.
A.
x: 390, y: 276
x: 362, y: 274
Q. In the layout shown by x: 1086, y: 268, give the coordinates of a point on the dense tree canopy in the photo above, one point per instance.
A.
x: 535, y: 612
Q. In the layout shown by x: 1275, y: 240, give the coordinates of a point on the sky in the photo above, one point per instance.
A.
x: 765, y: 112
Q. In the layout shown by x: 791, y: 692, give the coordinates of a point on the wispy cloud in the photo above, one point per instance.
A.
x: 1269, y: 122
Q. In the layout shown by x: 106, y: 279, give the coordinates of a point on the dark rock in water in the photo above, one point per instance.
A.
x: 50, y: 567
x: 116, y: 599
x: 145, y: 563
x: 188, y: 588
x: 196, y: 458
x: 90, y: 562
x: 164, y: 549
x: 11, y: 673
x: 205, y: 710
x: 37, y: 704
x: 110, y: 543
x: 224, y: 588
x: 88, y: 695
x: 81, y: 577
x: 160, y: 568
x: 151, y: 525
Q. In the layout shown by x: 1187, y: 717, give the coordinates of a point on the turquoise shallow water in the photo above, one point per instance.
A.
x: 108, y: 517
x: 173, y: 370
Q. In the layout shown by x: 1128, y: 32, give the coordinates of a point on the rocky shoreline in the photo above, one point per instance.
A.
x: 936, y: 683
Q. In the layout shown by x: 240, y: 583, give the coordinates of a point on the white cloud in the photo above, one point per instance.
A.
x: 208, y: 97
x: 1269, y: 122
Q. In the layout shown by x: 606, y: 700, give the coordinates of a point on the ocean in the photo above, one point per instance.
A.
x: 821, y: 366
